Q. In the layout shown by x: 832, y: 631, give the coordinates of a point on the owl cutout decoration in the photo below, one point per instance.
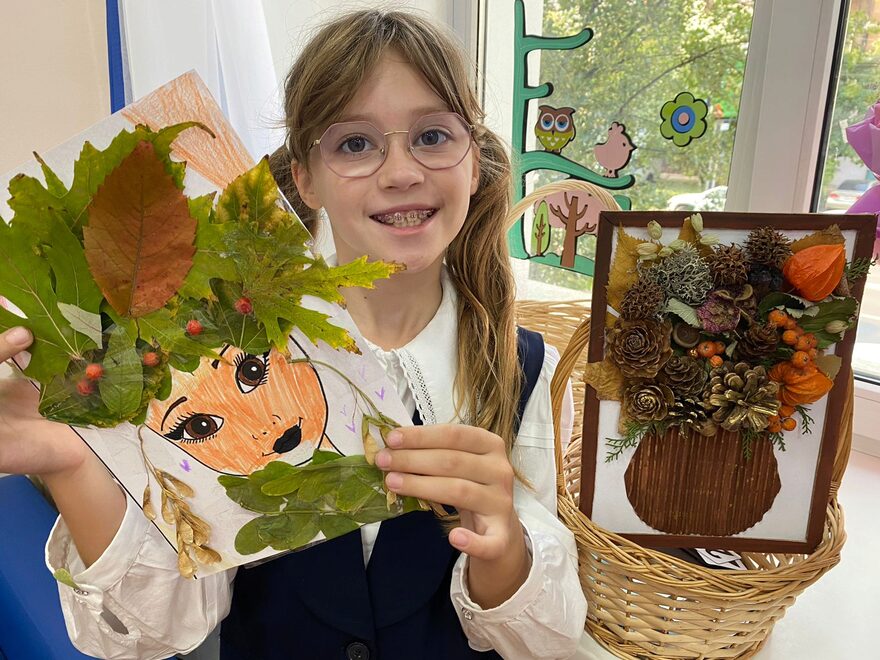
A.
x: 555, y: 128
x: 615, y: 152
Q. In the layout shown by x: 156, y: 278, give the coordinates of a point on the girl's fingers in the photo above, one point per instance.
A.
x: 479, y: 546
x: 13, y: 342
x: 446, y: 436
x: 482, y: 469
x: 460, y: 493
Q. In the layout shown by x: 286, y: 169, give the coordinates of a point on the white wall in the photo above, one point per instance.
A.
x: 54, y: 80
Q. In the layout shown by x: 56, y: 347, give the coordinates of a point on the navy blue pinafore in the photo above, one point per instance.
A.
x: 324, y: 604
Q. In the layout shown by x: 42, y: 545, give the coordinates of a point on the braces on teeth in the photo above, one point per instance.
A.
x: 408, y: 219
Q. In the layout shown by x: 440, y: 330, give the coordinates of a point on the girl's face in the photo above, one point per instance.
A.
x: 393, y: 97
x: 237, y: 414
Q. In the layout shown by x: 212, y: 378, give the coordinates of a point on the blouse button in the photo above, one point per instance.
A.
x: 80, y: 592
x: 467, y: 614
x: 357, y: 651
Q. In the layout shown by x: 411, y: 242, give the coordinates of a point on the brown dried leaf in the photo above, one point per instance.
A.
x: 140, y: 238
x: 185, y: 564
x: 167, y: 509
x: 623, y: 270
x: 605, y: 378
x: 390, y: 499
x: 183, y: 489
x: 688, y: 233
x: 184, y: 532
x: 206, y: 555
x: 371, y: 448
x: 149, y: 511
x: 829, y: 365
x: 828, y: 236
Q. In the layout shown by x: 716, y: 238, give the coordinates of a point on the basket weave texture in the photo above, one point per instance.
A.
x: 646, y: 604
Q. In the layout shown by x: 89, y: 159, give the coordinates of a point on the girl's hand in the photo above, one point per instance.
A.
x: 29, y: 444
x: 465, y: 467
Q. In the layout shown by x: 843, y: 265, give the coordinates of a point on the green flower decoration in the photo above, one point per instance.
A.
x: 684, y: 119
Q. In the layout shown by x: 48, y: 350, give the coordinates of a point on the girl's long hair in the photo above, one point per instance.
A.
x: 320, y: 84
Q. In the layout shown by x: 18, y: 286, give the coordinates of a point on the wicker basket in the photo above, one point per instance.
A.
x: 645, y: 604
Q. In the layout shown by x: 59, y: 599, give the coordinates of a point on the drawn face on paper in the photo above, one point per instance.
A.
x: 237, y: 414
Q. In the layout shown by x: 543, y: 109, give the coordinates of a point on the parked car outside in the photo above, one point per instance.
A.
x: 846, y: 194
x: 708, y: 200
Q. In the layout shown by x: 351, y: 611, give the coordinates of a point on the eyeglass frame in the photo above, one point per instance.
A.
x: 470, y: 127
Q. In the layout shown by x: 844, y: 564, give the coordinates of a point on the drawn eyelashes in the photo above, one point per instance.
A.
x: 251, y: 371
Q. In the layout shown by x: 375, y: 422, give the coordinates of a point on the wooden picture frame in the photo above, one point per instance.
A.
x: 796, y: 530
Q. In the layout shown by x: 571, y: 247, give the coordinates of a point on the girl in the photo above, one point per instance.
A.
x: 385, y: 135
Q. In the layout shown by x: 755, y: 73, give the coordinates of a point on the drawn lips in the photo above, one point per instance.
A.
x: 290, y: 439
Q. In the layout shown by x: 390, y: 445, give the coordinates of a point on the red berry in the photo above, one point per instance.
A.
x: 193, y: 327
x: 151, y: 359
x: 94, y: 371
x: 85, y: 387
x: 244, y: 306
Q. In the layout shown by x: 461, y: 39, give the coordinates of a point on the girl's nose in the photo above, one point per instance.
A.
x: 400, y: 169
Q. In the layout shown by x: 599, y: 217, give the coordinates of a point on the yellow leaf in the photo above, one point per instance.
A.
x: 828, y: 236
x: 371, y: 448
x: 623, y: 273
x: 185, y: 565
x: 207, y: 555
x: 605, y: 378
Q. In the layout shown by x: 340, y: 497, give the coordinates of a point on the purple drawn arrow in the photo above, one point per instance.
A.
x: 381, y: 393
x: 185, y: 465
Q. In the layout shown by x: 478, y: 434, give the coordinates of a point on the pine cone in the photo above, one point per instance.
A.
x: 757, y: 343
x: 740, y: 397
x: 689, y: 413
x: 642, y: 301
x: 639, y: 348
x: 767, y: 247
x: 648, y: 402
x: 728, y: 265
x: 685, y: 375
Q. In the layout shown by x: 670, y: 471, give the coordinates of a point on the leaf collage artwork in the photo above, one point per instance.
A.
x: 718, y: 381
x: 187, y: 333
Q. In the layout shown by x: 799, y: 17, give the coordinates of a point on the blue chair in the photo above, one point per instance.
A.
x: 31, y: 624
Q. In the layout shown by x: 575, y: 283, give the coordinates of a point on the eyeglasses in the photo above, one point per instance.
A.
x: 355, y: 149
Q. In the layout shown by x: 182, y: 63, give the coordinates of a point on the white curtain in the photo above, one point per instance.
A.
x: 225, y: 41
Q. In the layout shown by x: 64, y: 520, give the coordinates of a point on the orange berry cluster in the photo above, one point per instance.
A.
x: 805, y: 345
x: 710, y: 350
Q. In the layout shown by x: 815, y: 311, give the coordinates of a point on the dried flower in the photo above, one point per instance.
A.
x: 718, y: 314
x: 678, y: 244
x: 684, y: 375
x: 709, y: 239
x: 645, y: 249
x: 639, y: 348
x: 648, y: 402
x: 665, y: 252
x: 655, y: 231
x: 836, y: 327
x: 697, y: 222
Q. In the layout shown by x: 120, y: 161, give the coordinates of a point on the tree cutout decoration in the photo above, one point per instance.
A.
x: 571, y: 215
x: 541, y: 229
x: 549, y: 159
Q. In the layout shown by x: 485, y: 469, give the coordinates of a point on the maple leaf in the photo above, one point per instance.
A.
x: 323, y: 281
x: 252, y: 199
x: 139, y: 241
x: 160, y: 328
x: 26, y: 282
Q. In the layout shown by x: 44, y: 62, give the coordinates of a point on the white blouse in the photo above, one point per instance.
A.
x: 132, y: 602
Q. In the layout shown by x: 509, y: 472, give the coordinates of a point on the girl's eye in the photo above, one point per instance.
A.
x: 355, y: 144
x: 197, y: 427
x: 251, y: 371
x: 433, y: 137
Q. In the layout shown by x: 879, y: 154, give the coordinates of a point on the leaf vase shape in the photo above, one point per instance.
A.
x: 684, y: 483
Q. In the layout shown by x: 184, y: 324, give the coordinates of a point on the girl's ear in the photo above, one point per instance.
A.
x: 305, y: 185
x: 475, y: 174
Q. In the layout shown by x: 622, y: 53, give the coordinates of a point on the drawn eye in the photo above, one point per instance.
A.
x: 562, y: 123
x: 197, y: 427
x: 546, y: 121
x: 251, y: 371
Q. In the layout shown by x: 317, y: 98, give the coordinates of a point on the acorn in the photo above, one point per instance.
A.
x: 685, y: 335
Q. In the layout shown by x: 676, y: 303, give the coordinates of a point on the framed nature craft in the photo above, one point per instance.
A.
x: 718, y: 370
x: 186, y: 332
